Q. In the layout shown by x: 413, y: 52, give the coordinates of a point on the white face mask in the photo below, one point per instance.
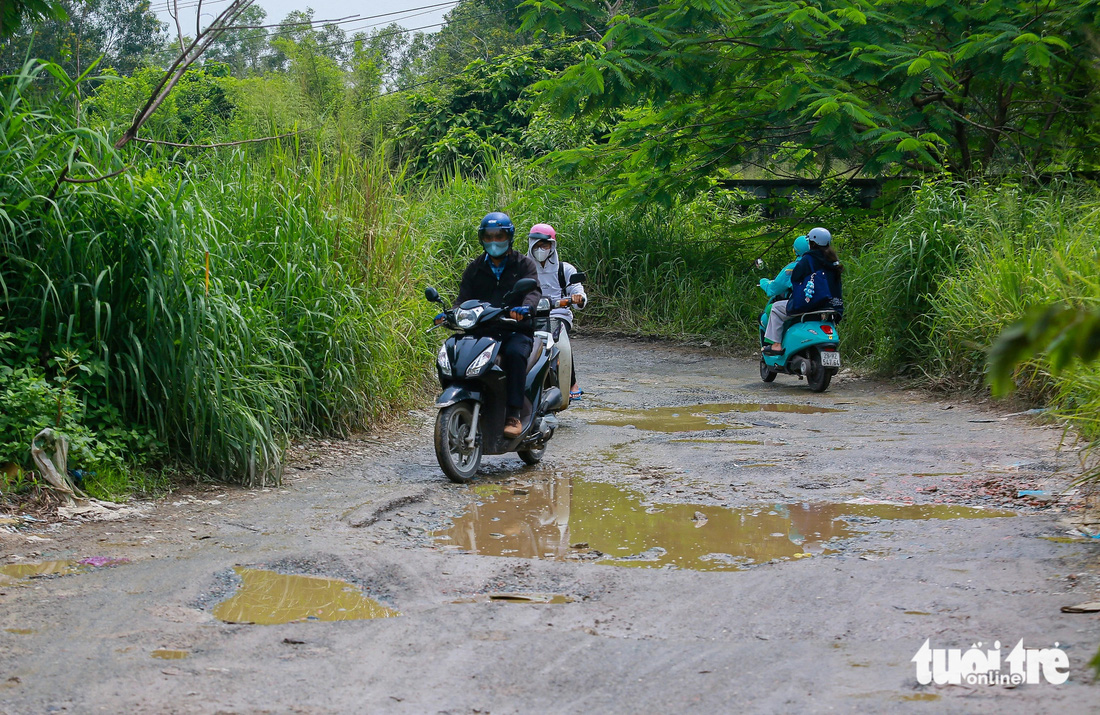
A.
x: 541, y: 254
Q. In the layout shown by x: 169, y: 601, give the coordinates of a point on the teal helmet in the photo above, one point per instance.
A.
x: 801, y: 245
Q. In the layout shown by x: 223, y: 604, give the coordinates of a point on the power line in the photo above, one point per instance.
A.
x: 425, y: 10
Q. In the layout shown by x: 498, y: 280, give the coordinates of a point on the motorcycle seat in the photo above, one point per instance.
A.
x: 536, y: 352
x: 818, y: 316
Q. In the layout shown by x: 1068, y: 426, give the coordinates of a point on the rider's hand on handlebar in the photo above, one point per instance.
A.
x: 577, y: 298
x: 439, y: 318
x: 520, y: 313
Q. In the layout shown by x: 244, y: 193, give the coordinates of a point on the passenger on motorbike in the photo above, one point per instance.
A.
x: 780, y: 288
x: 490, y: 277
x: 821, y: 256
x: 554, y: 275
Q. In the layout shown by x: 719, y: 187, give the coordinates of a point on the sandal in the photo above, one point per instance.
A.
x: 575, y: 394
x: 769, y: 350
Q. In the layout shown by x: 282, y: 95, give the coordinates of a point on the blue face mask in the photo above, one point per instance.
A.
x: 496, y: 249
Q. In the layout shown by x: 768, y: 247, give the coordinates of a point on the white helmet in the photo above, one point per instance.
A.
x: 820, y: 236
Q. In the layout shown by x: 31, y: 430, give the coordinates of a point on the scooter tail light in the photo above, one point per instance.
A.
x: 827, y: 329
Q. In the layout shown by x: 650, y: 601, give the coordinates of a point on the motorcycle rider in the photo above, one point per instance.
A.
x: 780, y: 287
x: 554, y: 275
x: 821, y: 254
x: 490, y: 277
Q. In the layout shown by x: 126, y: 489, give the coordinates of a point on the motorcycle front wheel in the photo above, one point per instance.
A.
x: 452, y: 428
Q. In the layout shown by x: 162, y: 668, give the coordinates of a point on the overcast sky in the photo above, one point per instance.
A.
x: 412, y: 13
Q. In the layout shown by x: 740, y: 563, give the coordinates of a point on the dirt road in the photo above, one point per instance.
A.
x: 694, y: 540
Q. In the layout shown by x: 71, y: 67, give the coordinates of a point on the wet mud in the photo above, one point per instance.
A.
x: 693, y: 540
x: 693, y: 418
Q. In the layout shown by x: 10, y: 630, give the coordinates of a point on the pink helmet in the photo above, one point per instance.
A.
x: 543, y: 232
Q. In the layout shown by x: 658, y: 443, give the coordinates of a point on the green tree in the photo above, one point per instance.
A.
x: 243, y: 49
x: 484, y: 110
x: 712, y: 86
x: 123, y: 33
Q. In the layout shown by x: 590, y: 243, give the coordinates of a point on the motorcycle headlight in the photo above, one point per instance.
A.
x: 480, y: 362
x: 544, y: 305
x: 466, y: 319
x: 443, y: 361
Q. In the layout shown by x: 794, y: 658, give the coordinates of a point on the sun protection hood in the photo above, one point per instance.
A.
x: 542, y: 232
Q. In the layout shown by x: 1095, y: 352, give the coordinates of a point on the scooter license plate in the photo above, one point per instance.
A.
x: 830, y: 359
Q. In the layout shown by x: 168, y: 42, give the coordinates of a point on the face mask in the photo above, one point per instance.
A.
x: 541, y: 254
x: 496, y: 249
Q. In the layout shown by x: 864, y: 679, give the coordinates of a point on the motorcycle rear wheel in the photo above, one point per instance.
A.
x: 820, y: 376
x: 766, y: 373
x: 452, y: 428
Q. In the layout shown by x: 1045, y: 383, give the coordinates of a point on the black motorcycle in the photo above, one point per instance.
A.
x: 472, y: 406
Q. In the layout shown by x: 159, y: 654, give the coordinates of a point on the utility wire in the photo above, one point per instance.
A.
x: 325, y: 23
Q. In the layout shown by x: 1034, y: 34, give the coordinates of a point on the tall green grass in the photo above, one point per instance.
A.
x: 308, y: 319
x: 682, y: 273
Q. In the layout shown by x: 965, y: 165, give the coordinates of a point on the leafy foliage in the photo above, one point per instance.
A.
x: 224, y: 304
x: 715, y: 86
x: 124, y: 34
x: 1061, y: 332
x: 13, y: 13
x: 484, y: 111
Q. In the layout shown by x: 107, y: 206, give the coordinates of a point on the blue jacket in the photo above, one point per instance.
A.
x: 814, y: 261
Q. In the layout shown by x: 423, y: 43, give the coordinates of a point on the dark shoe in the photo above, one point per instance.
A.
x: 772, y: 350
x: 512, y: 428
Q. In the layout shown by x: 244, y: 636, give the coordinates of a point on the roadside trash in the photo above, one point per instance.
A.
x: 54, y: 468
x: 1091, y: 607
x: 1032, y: 493
x: 96, y: 510
x: 1035, y: 411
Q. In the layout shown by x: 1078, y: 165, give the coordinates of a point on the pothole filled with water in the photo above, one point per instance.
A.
x: 693, y: 418
x: 268, y: 598
x: 16, y: 573
x: 167, y: 654
x: 568, y: 518
x: 10, y: 573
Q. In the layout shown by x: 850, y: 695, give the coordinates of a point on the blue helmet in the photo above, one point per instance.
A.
x: 499, y: 221
x: 820, y: 236
x: 801, y: 245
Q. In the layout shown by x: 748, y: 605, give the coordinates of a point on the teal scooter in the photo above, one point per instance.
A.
x: 811, y: 349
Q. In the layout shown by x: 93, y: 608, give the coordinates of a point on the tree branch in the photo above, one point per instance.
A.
x: 113, y: 174
x: 215, y: 146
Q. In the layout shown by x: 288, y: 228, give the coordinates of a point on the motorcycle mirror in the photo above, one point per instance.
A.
x: 432, y: 295
x: 523, y: 287
x: 578, y: 277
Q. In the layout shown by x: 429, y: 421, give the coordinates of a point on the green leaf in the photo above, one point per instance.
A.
x: 918, y: 66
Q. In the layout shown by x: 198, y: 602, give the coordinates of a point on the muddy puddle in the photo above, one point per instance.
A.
x: 14, y: 573
x: 166, y: 654
x: 693, y: 418
x: 569, y: 518
x: 269, y: 598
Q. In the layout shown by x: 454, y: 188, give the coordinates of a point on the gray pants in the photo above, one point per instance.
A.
x: 774, y: 331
